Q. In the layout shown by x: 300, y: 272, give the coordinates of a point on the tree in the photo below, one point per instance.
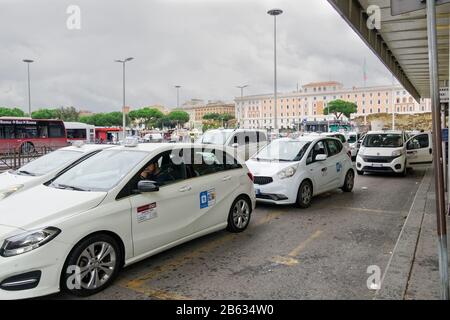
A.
x: 217, y: 120
x: 44, y: 114
x: 340, y: 107
x: 147, y: 116
x: 69, y: 114
x: 11, y: 112
x: 104, y: 119
x: 179, y: 116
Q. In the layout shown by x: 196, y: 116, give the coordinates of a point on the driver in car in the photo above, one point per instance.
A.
x: 151, y: 173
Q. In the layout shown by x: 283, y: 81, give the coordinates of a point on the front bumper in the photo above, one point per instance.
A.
x: 47, y: 260
x: 277, y: 192
x: 396, y: 165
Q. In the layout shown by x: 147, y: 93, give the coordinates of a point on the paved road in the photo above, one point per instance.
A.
x: 287, y: 253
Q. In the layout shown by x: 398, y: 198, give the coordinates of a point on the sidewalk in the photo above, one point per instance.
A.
x: 413, y: 272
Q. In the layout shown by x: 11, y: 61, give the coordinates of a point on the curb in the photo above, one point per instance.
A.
x: 396, y: 276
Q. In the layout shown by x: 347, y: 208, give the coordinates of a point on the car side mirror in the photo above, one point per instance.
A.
x: 321, y: 157
x: 146, y: 186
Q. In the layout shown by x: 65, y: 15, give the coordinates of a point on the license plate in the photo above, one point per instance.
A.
x: 377, y: 165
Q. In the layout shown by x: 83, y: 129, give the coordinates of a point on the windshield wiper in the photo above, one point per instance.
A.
x: 64, y: 186
x: 26, y: 173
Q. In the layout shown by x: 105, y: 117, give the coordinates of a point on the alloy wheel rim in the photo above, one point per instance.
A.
x: 241, y: 214
x: 96, y: 265
x: 306, y: 193
x: 350, y: 180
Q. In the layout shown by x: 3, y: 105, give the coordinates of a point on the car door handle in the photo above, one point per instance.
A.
x: 228, y: 178
x: 185, y: 189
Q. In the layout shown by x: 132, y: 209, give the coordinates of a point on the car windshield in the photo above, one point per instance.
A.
x: 49, y: 162
x: 283, y: 151
x: 215, y: 137
x: 383, y: 140
x: 101, y: 172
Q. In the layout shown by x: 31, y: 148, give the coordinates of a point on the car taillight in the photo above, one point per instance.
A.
x: 250, y: 175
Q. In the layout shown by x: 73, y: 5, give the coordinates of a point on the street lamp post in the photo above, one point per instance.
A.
x: 178, y: 96
x: 124, y: 124
x: 275, y: 13
x: 242, y: 101
x: 28, y: 61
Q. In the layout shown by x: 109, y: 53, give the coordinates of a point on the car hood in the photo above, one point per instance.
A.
x: 7, y: 231
x: 44, y: 205
x: 267, y: 168
x: 379, y: 152
x: 8, y: 179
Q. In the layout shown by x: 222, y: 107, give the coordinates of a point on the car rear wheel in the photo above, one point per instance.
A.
x: 349, y: 182
x: 239, y: 216
x: 91, y: 266
x: 305, y: 194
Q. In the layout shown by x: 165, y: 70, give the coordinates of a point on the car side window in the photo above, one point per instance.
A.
x: 205, y: 162
x: 261, y: 137
x: 419, y: 142
x: 334, y: 147
x: 319, y: 148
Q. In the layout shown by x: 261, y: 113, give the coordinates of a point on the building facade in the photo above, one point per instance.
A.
x: 197, y: 109
x: 311, y: 101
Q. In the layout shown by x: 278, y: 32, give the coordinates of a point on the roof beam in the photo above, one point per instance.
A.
x: 356, y: 17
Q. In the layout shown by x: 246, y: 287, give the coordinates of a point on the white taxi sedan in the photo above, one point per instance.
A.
x: 119, y: 206
x: 45, y: 168
x: 292, y: 171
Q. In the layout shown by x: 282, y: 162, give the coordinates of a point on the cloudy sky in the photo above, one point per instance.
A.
x: 207, y: 46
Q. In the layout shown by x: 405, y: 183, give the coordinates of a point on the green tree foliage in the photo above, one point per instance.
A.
x: 104, y: 119
x: 148, y: 116
x: 217, y: 120
x: 44, y: 114
x: 11, y: 112
x: 340, y: 107
x: 179, y: 116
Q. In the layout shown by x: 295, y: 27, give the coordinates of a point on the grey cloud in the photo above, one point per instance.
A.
x: 207, y: 46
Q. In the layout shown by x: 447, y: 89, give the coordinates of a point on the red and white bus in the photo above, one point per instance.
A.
x: 25, y: 135
x: 77, y: 131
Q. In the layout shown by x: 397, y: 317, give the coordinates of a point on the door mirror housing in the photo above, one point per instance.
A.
x: 321, y: 157
x: 146, y: 186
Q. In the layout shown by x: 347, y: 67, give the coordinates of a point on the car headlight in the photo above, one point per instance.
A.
x: 397, y: 153
x: 9, y: 191
x: 27, y: 241
x: 361, y: 152
x: 287, y: 173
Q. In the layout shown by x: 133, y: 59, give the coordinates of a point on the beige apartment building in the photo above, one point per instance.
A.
x: 197, y: 109
x: 312, y: 99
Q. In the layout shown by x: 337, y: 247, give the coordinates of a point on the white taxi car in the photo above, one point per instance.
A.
x: 116, y: 208
x: 45, y: 168
x: 292, y: 171
x: 394, y: 152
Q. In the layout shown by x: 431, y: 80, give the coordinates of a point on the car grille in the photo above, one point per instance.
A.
x: 379, y: 159
x: 263, y: 180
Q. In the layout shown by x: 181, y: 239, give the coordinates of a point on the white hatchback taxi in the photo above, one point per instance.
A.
x: 119, y: 206
x: 292, y: 171
x: 45, y: 168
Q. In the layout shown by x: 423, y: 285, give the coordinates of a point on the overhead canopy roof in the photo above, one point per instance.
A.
x: 402, y: 42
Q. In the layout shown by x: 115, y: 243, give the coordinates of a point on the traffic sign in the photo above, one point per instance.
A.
x: 399, y: 7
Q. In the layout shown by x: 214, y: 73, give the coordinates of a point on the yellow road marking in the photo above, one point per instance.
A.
x: 137, y: 284
x: 291, y: 260
x: 160, y: 294
x: 368, y: 210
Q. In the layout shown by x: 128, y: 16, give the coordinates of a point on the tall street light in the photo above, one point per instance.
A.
x: 242, y: 101
x: 275, y: 13
x: 178, y: 96
x: 28, y: 62
x: 124, y: 124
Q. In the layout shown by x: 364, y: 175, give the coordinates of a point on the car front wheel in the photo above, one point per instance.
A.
x: 305, y: 194
x: 239, y: 216
x: 349, y: 182
x: 91, y: 266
